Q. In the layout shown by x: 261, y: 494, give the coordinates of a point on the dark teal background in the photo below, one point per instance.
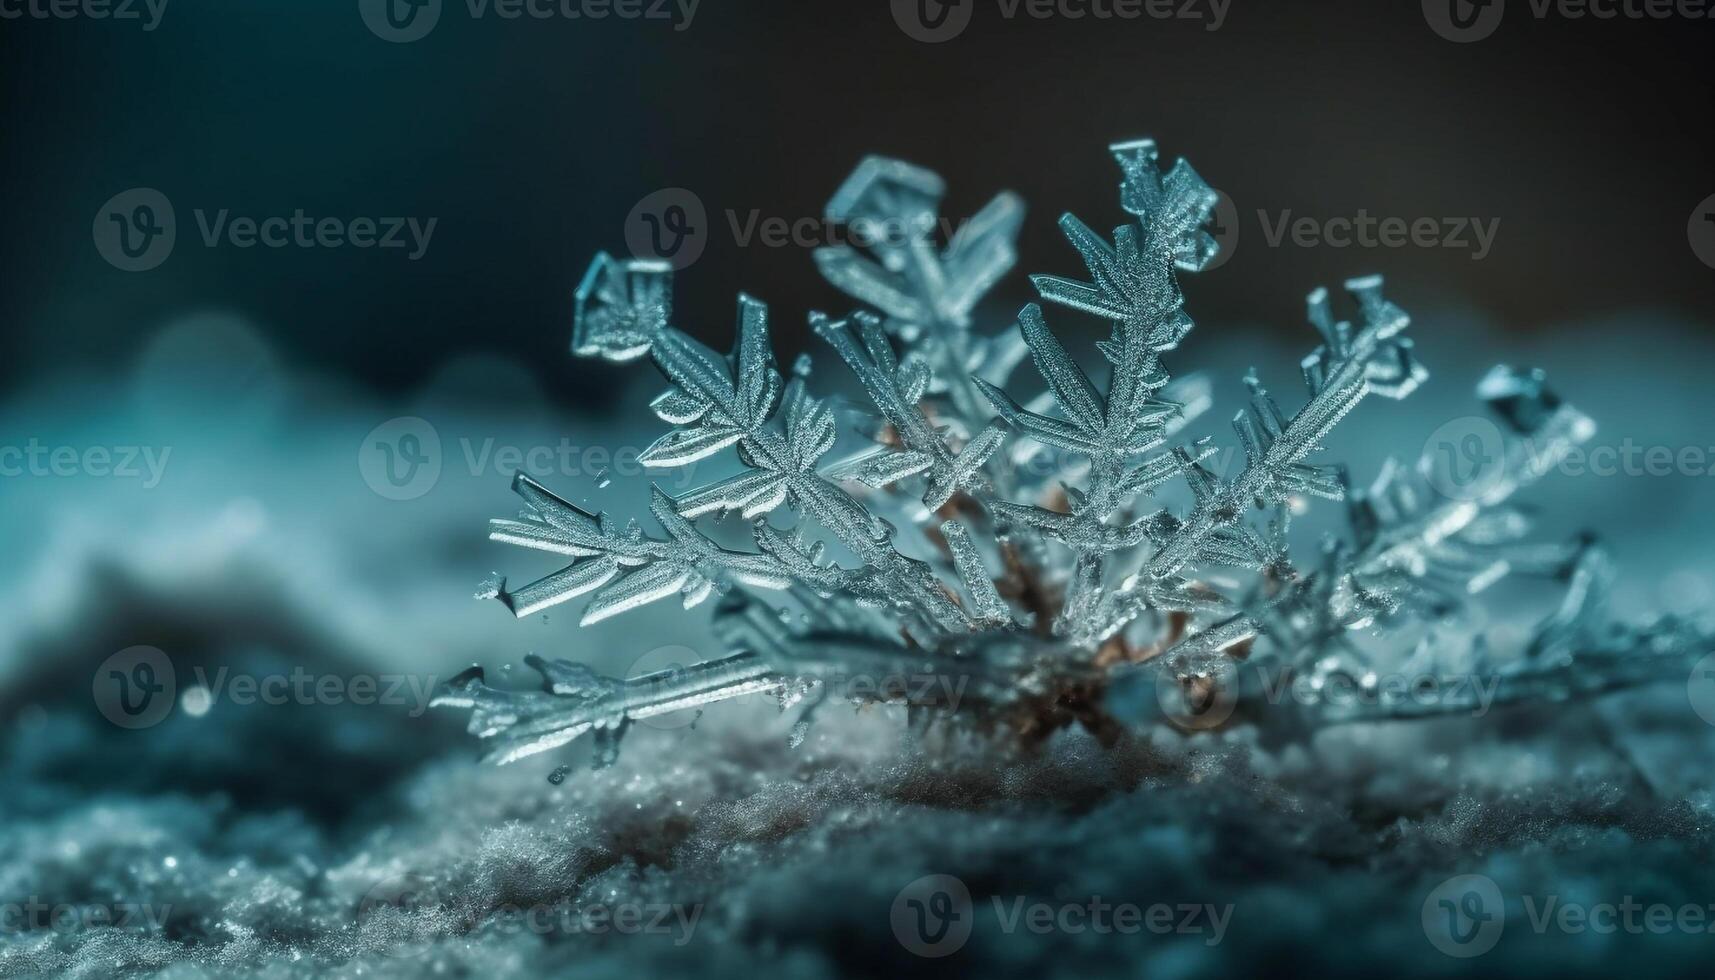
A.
x: 274, y: 377
x: 531, y: 140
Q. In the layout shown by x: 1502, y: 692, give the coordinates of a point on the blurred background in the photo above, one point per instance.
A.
x: 1561, y: 168
x: 530, y: 141
x: 282, y: 456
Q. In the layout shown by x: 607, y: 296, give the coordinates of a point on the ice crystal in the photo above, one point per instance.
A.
x: 1019, y: 548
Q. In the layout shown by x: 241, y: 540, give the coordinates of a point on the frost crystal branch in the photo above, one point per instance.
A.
x: 1020, y: 550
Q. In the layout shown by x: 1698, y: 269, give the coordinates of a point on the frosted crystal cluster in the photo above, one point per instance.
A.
x: 1019, y: 543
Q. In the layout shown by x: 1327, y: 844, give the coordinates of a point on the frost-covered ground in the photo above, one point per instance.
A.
x: 318, y: 839
x: 741, y: 856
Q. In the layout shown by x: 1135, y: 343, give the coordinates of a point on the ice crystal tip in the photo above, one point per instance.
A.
x: 881, y: 186
x: 1522, y: 398
x: 1008, y: 535
x: 621, y: 306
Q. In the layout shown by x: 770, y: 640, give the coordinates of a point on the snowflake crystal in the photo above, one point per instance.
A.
x: 1012, y: 547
